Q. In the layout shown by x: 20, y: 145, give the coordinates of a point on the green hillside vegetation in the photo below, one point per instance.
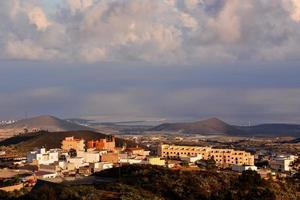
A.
x: 170, y: 184
x: 26, y: 142
x: 145, y: 182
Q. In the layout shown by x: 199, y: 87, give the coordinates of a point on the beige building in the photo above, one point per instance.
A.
x: 137, y: 151
x: 110, y: 157
x: 221, y: 156
x: 282, y: 163
x: 155, y: 161
x: 89, y: 156
x: 73, y: 143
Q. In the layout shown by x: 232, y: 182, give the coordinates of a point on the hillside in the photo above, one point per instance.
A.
x: 294, y: 141
x: 206, y: 127
x: 216, y: 126
x: 29, y: 141
x: 168, y: 184
x: 273, y: 130
x: 44, y: 122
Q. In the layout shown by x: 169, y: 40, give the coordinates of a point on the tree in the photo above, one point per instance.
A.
x: 72, y: 153
x: 250, y: 178
x: 184, y: 163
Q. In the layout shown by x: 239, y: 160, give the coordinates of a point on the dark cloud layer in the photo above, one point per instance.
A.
x: 238, y: 93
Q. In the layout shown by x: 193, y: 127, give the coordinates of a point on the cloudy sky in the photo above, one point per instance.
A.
x: 175, y: 59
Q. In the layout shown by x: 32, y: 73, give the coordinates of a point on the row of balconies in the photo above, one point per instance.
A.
x: 185, y: 149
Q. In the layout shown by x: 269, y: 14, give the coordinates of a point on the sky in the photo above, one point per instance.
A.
x: 159, y: 59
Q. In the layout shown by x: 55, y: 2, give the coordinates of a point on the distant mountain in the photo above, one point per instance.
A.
x: 278, y: 129
x: 44, y: 122
x: 216, y: 126
x: 206, y: 127
x: 29, y: 141
x: 297, y: 140
x: 294, y: 141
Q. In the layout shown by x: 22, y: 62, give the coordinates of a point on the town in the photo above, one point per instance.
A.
x: 76, y: 160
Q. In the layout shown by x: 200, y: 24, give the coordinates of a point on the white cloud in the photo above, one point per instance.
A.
x: 296, y: 11
x: 170, y: 31
x: 79, y: 5
x: 227, y: 24
x: 293, y: 7
x: 189, y: 21
x: 37, y: 17
x: 191, y: 4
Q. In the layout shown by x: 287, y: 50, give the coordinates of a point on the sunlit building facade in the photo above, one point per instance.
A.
x: 221, y: 156
x: 73, y: 143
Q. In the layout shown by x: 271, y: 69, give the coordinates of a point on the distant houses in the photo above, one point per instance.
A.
x: 77, y: 157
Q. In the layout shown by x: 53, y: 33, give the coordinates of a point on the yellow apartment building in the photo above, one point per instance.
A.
x: 73, y: 143
x: 221, y: 156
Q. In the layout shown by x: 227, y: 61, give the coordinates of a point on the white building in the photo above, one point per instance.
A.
x: 77, y: 161
x: 100, y: 152
x: 62, y: 164
x: 191, y: 159
x: 89, y: 156
x: 282, y: 163
x: 241, y: 168
x: 66, y: 166
x: 130, y: 161
x: 98, y: 166
x: 45, y: 174
x: 41, y: 156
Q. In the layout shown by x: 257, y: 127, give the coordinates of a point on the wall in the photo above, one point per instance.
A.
x: 12, y: 188
x: 110, y: 157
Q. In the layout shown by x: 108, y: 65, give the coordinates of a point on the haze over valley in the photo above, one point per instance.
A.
x: 206, y: 127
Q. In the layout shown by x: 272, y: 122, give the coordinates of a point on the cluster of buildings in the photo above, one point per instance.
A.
x: 84, y: 158
x: 74, y: 157
x: 235, y: 159
x: 79, y: 157
x: 11, y: 179
x: 7, y: 122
